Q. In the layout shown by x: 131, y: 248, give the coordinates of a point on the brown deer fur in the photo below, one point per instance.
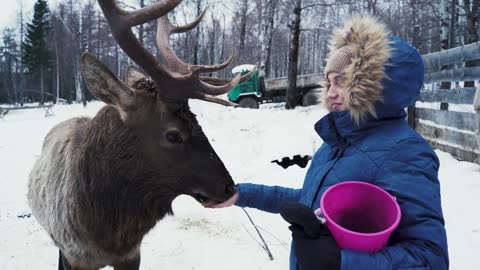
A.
x: 101, y: 184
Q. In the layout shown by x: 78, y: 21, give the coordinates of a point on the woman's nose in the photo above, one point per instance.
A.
x: 332, y: 93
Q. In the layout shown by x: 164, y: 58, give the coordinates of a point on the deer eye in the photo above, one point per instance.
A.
x: 174, y: 136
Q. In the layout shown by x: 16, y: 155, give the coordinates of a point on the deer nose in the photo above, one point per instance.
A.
x: 230, y: 190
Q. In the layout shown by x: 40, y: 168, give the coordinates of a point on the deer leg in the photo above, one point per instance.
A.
x: 130, y: 264
x: 62, y: 262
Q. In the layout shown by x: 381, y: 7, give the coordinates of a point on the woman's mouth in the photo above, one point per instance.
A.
x: 336, y: 106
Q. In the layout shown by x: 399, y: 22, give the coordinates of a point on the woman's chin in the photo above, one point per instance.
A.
x: 337, y: 108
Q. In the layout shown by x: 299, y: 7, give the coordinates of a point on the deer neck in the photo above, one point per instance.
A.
x: 113, y: 186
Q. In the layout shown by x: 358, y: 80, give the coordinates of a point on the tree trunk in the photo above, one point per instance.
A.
x: 222, y: 50
x: 309, y: 53
x: 372, y: 6
x: 416, y: 44
x: 472, y: 15
x: 293, y: 97
x: 99, y: 39
x: 266, y: 37
x: 186, y: 47
x: 15, y: 83
x: 141, y: 27
x: 57, y: 69
x: 42, y: 89
x: 6, y: 85
x: 444, y: 18
x: 22, y: 75
x: 10, y: 85
x: 284, y: 71
x: 243, y: 27
x: 453, y: 19
x: 213, y: 38
x: 117, y: 61
x: 197, y: 35
x: 79, y: 85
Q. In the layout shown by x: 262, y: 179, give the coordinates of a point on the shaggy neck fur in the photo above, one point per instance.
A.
x: 107, y: 200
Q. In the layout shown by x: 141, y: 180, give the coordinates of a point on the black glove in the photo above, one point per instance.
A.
x: 313, y: 244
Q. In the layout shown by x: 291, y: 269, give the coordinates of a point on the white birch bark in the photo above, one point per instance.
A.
x: 444, y: 18
x: 266, y: 36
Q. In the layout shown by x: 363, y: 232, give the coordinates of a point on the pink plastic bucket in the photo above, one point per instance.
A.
x: 360, y: 216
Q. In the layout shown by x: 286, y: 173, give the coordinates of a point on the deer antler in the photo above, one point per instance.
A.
x: 173, y: 77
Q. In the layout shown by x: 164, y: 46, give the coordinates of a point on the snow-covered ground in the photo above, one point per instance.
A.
x: 199, y: 238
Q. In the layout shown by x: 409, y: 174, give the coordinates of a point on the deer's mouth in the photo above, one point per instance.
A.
x: 204, y: 200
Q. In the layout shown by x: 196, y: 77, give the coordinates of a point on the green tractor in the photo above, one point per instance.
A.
x: 248, y: 93
x: 256, y: 91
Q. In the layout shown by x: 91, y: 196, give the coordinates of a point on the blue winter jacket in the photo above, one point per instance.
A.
x: 383, y: 151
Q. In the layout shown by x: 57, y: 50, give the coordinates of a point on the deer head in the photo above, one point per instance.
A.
x: 153, y: 108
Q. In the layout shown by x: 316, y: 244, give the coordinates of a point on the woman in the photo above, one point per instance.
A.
x: 370, y: 78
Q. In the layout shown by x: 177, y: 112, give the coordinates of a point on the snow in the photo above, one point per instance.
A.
x: 198, y: 238
x: 241, y: 68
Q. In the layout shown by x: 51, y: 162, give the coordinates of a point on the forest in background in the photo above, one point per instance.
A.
x: 39, y: 56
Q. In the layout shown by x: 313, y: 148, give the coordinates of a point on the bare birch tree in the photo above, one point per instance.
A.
x: 20, y: 68
x: 266, y: 37
x: 472, y: 12
x: 293, y: 98
x: 444, y: 33
x: 198, y: 4
x: 243, y: 26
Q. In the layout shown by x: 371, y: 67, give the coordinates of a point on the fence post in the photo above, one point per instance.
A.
x: 411, y: 116
x: 411, y: 108
x: 476, y: 106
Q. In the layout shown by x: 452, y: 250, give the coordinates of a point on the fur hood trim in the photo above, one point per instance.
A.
x: 367, y: 39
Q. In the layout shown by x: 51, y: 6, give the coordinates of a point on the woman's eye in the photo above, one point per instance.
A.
x: 174, y: 137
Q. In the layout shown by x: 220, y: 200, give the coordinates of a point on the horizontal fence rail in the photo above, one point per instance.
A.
x: 454, y: 96
x: 458, y: 120
x: 457, y: 133
x: 435, y: 61
x: 454, y: 75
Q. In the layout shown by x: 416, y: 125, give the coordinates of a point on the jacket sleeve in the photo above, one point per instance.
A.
x: 265, y: 198
x: 419, y: 242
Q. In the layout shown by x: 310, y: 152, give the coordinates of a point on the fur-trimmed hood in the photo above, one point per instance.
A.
x: 385, y: 74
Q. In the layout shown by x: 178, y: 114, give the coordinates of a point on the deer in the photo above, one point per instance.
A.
x: 101, y: 183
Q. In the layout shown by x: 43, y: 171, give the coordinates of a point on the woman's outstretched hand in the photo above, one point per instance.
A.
x: 231, y: 201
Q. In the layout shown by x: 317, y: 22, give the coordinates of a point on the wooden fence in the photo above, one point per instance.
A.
x: 456, y: 131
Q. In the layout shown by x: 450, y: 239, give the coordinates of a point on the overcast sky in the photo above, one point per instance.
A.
x: 9, y: 10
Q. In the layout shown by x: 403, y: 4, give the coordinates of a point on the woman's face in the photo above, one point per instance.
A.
x: 336, y: 92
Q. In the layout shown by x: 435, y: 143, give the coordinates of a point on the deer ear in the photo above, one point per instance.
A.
x: 103, y: 84
x: 134, y: 75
